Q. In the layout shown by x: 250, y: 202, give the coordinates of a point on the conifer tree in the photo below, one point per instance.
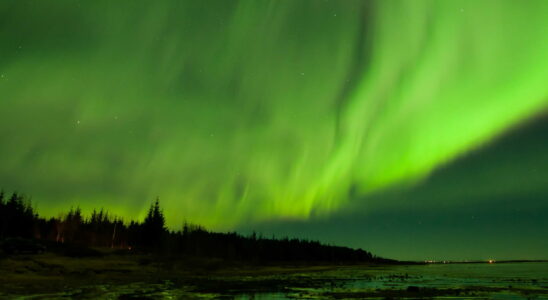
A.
x: 154, y: 227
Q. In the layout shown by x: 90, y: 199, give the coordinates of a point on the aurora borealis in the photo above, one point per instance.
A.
x: 244, y: 113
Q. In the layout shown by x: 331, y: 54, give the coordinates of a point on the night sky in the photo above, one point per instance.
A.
x: 415, y: 129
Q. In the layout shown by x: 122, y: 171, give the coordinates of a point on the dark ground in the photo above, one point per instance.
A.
x: 108, y: 274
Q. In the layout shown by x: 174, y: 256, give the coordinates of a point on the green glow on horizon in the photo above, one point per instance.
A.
x: 233, y: 112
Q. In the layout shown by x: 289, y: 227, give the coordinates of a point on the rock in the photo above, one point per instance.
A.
x: 413, y: 289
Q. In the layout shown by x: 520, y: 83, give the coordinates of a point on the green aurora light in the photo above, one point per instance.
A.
x: 239, y: 111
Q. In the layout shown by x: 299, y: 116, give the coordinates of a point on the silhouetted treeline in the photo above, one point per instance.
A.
x: 18, y: 219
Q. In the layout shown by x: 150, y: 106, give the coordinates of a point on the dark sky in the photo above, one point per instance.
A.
x: 412, y: 128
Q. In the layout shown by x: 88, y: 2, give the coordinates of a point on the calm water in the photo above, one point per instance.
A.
x: 471, y: 281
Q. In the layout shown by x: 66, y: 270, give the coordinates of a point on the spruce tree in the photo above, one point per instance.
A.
x: 154, y: 227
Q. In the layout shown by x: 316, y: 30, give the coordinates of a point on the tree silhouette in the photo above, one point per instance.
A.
x: 154, y: 227
x: 17, y: 219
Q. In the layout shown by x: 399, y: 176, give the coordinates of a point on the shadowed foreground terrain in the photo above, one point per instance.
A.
x: 113, y: 275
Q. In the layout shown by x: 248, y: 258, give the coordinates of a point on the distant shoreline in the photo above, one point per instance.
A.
x: 482, y: 261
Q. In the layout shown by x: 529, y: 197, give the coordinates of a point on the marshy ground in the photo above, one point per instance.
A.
x: 113, y: 275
